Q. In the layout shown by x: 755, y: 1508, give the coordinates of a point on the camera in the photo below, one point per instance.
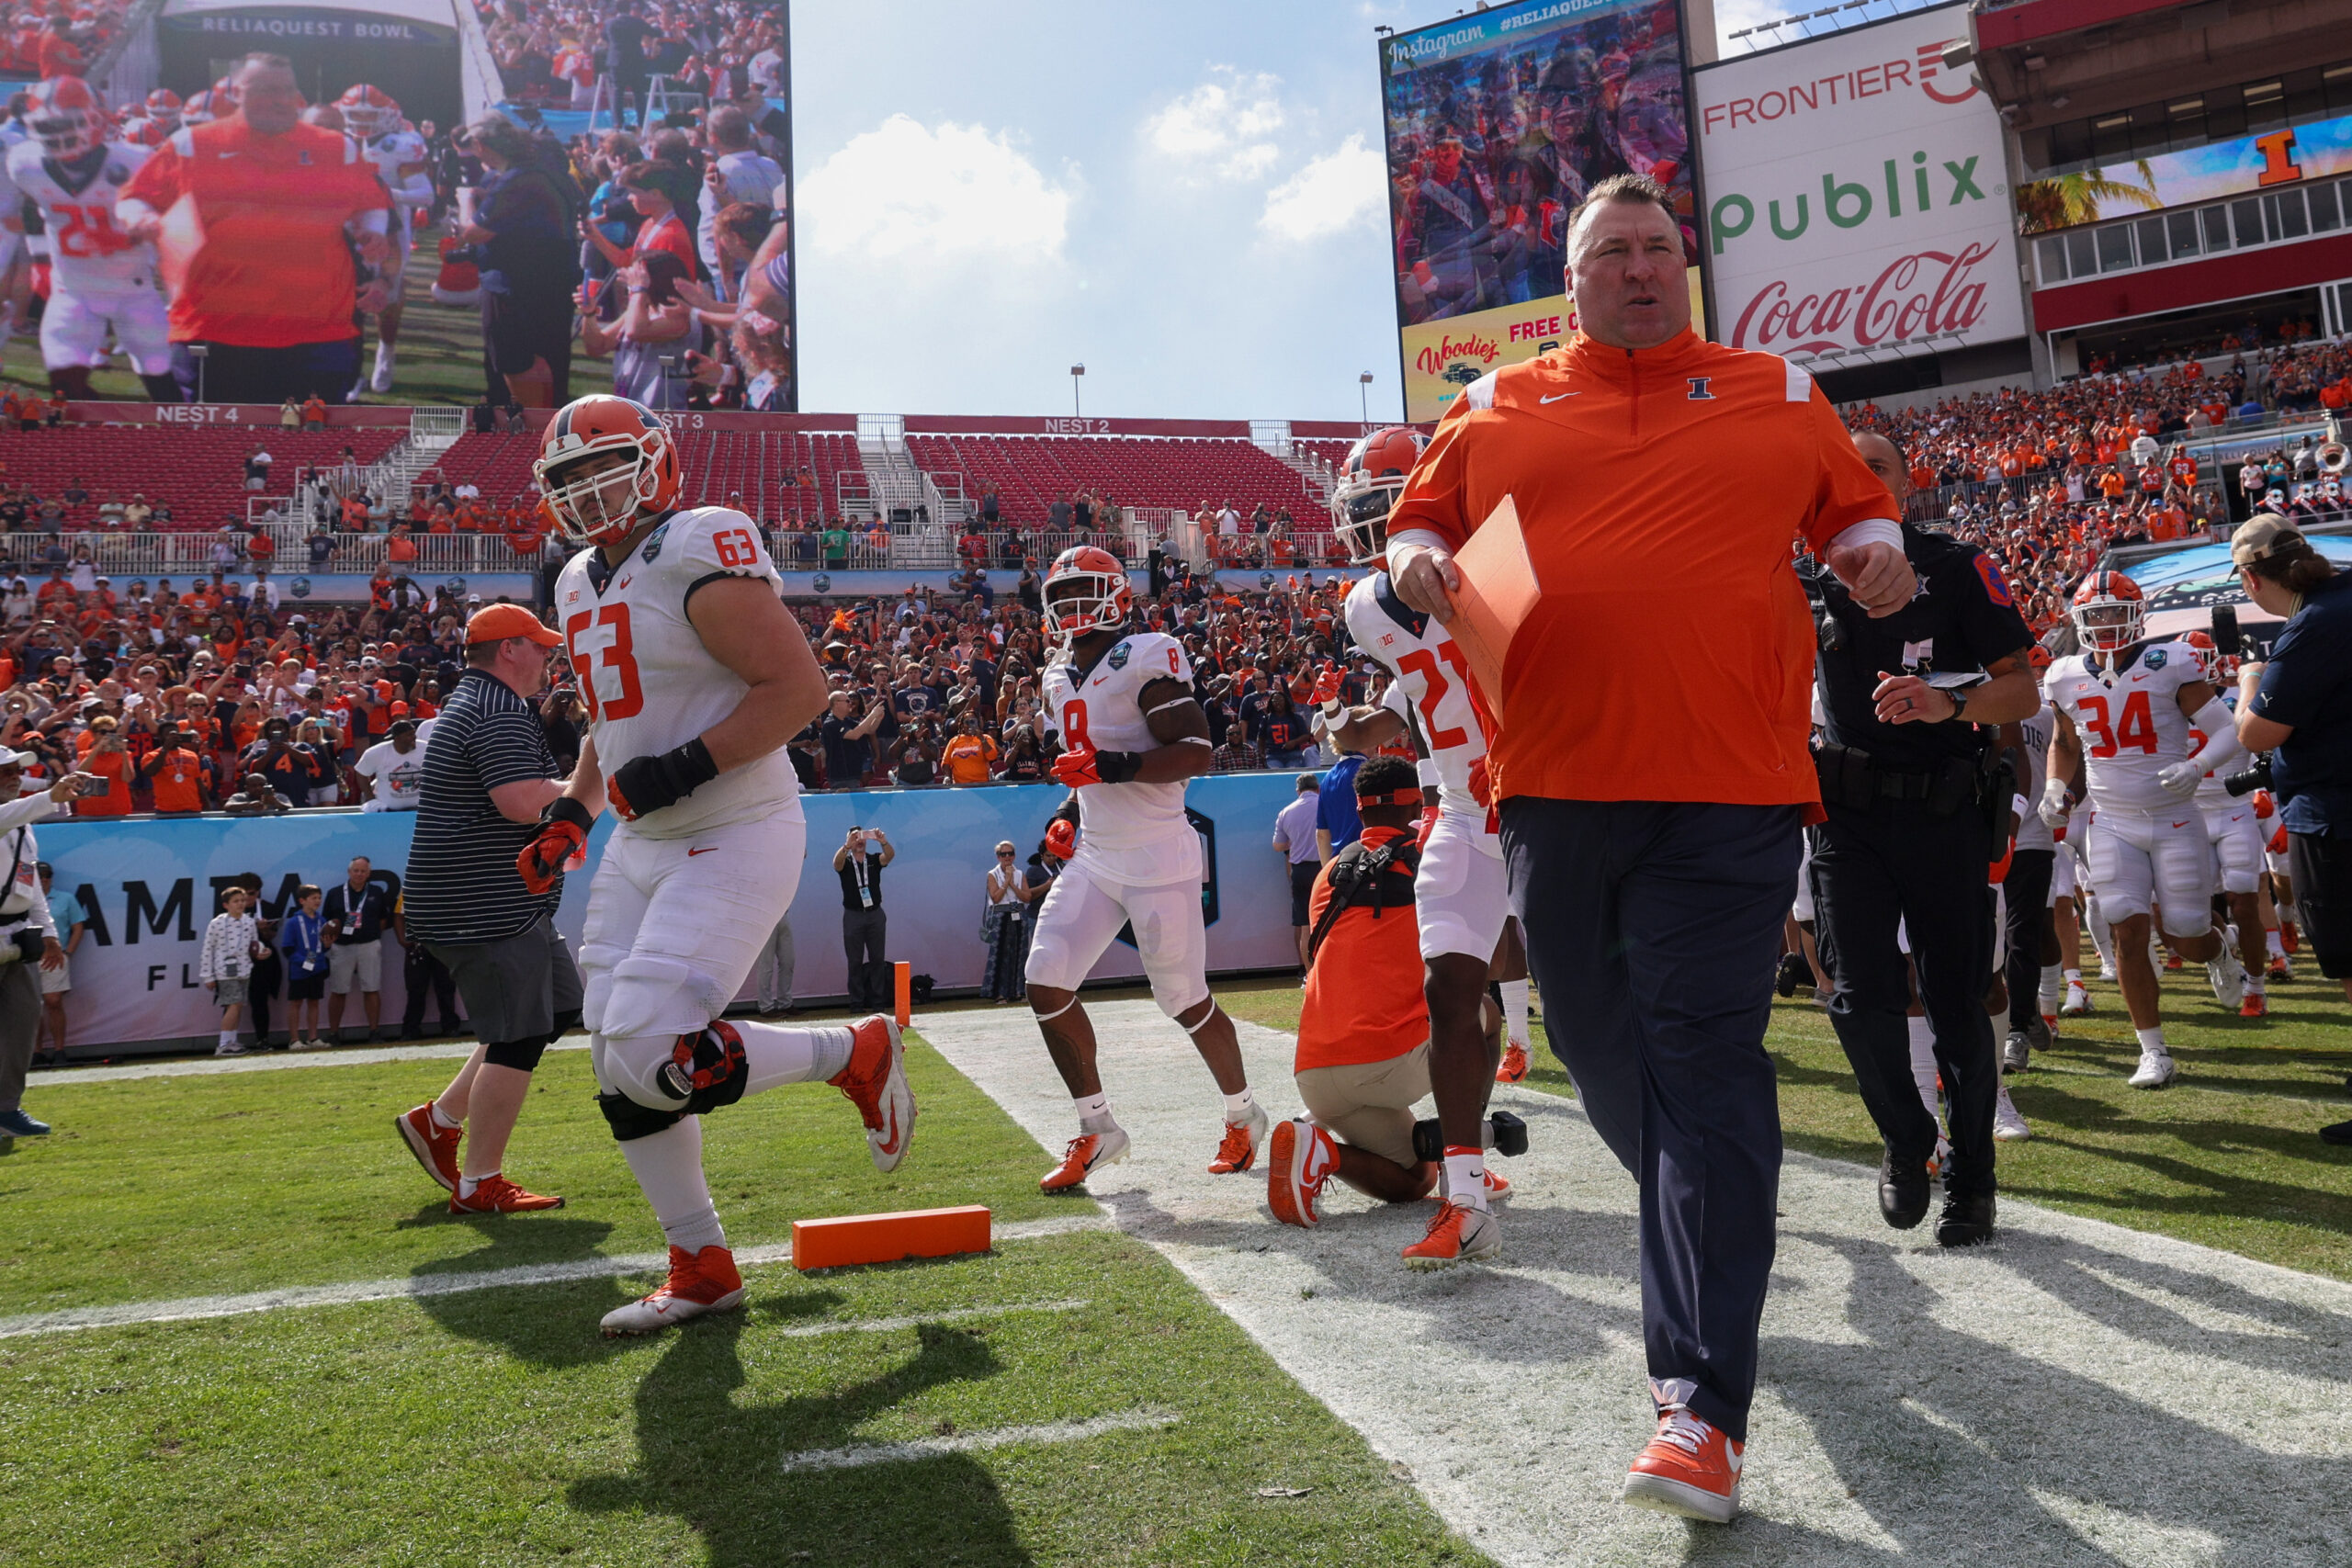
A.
x: 2253, y: 778
x: 92, y: 786
x: 465, y: 255
x: 21, y: 946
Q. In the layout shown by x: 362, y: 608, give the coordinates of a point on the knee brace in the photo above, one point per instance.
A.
x: 632, y: 1120
x: 523, y: 1055
x: 657, y: 996
x: 707, y: 1070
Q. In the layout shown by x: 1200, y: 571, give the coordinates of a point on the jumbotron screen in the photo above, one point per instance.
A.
x: 1497, y: 125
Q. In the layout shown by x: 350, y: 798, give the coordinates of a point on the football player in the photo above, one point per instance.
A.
x: 1463, y: 900
x: 153, y: 121
x: 1122, y: 703
x: 2125, y: 708
x: 373, y: 119
x: 2236, y: 835
x: 695, y: 676
x: 100, y: 279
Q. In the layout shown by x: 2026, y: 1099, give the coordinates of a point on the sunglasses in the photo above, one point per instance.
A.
x: 1004, y: 854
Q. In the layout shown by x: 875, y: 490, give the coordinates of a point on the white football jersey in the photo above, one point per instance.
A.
x: 87, y: 253
x: 648, y: 683
x: 2129, y: 721
x: 399, y: 157
x: 1430, y: 668
x: 1131, y: 833
x: 2033, y: 833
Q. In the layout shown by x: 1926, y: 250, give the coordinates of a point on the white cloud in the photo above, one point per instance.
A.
x: 906, y: 193
x: 1332, y: 193
x: 1223, y: 126
x: 1730, y: 16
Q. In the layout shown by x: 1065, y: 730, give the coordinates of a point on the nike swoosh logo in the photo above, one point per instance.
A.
x: 691, y: 853
x: 624, y: 583
x: 2180, y: 824
x: 889, y: 1146
x: 1557, y: 397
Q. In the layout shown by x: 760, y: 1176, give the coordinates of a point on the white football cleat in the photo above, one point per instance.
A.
x: 2078, y: 1001
x: 2227, y: 976
x: 1086, y: 1154
x: 2155, y: 1069
x: 381, y: 381
x: 2007, y: 1125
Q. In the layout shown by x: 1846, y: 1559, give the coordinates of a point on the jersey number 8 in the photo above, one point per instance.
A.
x: 609, y: 685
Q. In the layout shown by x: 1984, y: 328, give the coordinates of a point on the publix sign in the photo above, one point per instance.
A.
x: 1855, y: 197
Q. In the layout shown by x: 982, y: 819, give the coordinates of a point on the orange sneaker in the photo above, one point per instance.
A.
x: 1689, y: 1468
x: 1514, y: 1065
x: 1497, y: 1186
x: 2172, y: 964
x: 699, y: 1282
x: 496, y: 1195
x: 2290, y: 937
x: 2255, y: 1005
x: 876, y: 1082
x: 1458, y: 1234
x: 434, y: 1146
x: 1086, y: 1154
x: 1237, y: 1150
x: 1300, y: 1158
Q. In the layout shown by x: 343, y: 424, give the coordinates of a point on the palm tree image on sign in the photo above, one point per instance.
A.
x: 2086, y: 196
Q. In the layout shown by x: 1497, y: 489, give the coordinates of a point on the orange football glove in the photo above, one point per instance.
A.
x: 1061, y: 838
x: 563, y: 832
x: 2264, y: 807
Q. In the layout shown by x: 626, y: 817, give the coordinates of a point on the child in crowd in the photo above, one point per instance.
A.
x: 232, y: 943
x: 303, y: 939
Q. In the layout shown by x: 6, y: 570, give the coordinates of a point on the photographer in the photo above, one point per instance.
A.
x: 27, y: 934
x: 2297, y: 707
x: 865, y: 926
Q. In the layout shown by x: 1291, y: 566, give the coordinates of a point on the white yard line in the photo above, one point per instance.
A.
x: 859, y: 1454
x: 1912, y: 1401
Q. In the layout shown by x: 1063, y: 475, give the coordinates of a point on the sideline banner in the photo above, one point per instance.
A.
x: 151, y: 885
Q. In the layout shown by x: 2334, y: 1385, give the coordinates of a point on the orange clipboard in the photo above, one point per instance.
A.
x: 1498, y: 594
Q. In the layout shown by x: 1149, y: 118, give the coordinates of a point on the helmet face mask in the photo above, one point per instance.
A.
x: 595, y: 503
x: 2109, y: 612
x: 1372, y: 477
x: 1085, y: 591
x: 368, y: 112
x: 65, y: 118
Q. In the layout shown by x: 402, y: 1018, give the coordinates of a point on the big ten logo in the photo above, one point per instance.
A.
x: 1848, y: 204
x: 198, y: 413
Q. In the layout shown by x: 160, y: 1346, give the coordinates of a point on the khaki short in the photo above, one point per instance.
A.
x: 1370, y: 1105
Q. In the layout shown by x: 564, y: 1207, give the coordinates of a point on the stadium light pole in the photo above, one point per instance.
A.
x: 1075, y: 372
x: 1363, y: 397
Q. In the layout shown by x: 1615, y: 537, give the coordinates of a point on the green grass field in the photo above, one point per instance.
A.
x: 440, y: 350
x: 2226, y: 1156
x: 497, y: 1427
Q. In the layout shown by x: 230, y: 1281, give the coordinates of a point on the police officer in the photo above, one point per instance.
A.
x: 1913, y: 791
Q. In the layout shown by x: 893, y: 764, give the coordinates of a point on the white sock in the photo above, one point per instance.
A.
x: 441, y: 1119
x: 1465, y: 1176
x: 2271, y: 943
x: 1923, y: 1061
x: 1515, y: 1013
x: 228, y: 1037
x: 384, y: 352
x: 2073, y: 976
x: 776, y: 1054
x: 465, y: 1184
x: 1237, y: 1107
x: 2253, y: 983
x: 2153, y: 1039
x: 1094, y: 1112
x: 668, y: 1168
x: 2053, y: 980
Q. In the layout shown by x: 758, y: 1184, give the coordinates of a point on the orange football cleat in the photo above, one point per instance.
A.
x: 434, y: 1146
x: 2172, y: 961
x: 1514, y: 1065
x: 1300, y: 1158
x: 1087, y: 1153
x: 1237, y: 1150
x: 876, y: 1082
x: 1497, y: 1186
x: 2255, y: 1005
x: 1689, y: 1468
x: 1459, y: 1234
x: 699, y: 1282
x: 496, y: 1195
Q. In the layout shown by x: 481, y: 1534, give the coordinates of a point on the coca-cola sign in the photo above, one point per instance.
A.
x: 1855, y: 197
x: 1913, y: 299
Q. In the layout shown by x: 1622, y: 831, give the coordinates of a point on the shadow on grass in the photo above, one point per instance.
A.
x: 713, y: 1464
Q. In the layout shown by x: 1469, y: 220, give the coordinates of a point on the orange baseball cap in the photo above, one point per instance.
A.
x: 496, y: 623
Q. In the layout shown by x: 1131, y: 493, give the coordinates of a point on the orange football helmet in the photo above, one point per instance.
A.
x: 164, y: 108
x: 1371, y: 477
x: 1086, y: 590
x: 368, y: 112
x: 2110, y: 611
x: 601, y: 506
x: 66, y: 118
x: 2209, y: 658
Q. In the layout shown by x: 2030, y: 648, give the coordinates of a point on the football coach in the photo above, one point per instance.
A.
x: 1650, y: 809
x: 488, y: 782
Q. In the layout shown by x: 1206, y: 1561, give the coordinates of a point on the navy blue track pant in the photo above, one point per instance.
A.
x: 1651, y: 929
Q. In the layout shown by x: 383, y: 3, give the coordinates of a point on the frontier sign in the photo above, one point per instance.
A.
x: 1856, y: 203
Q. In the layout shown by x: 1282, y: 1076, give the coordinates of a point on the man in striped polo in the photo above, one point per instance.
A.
x: 488, y: 778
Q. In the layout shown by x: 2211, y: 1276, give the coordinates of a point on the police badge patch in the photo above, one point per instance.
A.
x: 1119, y: 657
